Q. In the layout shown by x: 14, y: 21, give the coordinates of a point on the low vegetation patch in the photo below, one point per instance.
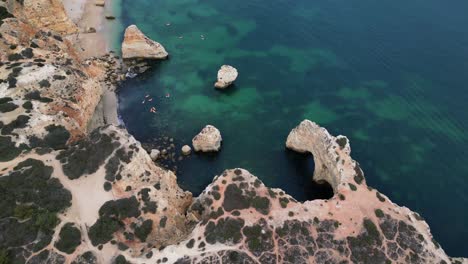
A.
x: 69, y: 238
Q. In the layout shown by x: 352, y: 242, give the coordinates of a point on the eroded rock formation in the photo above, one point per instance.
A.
x: 208, y: 140
x: 43, y: 14
x: 138, y: 46
x: 226, y: 76
x: 329, y: 154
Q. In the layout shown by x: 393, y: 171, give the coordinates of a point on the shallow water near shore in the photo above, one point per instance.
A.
x: 390, y: 75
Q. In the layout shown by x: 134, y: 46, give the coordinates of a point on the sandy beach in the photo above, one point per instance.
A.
x: 91, y: 39
x: 90, y: 18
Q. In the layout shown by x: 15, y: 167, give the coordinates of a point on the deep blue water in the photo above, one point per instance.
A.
x: 391, y: 75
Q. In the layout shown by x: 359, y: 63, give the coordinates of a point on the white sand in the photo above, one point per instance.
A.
x: 74, y: 9
x: 87, y: 15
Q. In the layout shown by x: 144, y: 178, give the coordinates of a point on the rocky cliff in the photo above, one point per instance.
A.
x: 244, y: 221
x: 69, y: 196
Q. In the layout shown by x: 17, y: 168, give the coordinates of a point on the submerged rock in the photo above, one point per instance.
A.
x: 186, y: 150
x: 138, y: 46
x: 208, y: 140
x: 226, y: 76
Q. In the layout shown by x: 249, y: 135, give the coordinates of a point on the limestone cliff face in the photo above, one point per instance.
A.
x: 43, y: 14
x: 42, y: 70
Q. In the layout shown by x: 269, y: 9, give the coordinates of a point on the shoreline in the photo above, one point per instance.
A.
x: 94, y: 39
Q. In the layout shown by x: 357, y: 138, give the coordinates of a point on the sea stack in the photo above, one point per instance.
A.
x: 208, y: 140
x: 138, y: 46
x: 226, y: 76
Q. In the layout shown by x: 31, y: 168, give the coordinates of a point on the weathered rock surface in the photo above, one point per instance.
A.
x: 226, y: 76
x: 138, y: 46
x: 37, y: 13
x: 155, y: 154
x: 208, y: 140
x: 186, y: 150
x: 309, y: 137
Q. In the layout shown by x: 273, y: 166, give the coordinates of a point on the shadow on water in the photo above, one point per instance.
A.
x: 303, y: 167
x: 196, y: 172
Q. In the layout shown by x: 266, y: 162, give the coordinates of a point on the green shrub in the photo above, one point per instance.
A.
x: 102, y: 231
x: 144, y: 230
x: 70, y: 238
x: 342, y: 141
x: 4, y: 257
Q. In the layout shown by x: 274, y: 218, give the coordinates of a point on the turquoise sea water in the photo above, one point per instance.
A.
x: 391, y: 75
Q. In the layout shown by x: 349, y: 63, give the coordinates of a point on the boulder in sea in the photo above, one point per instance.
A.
x: 155, y: 154
x: 226, y: 76
x: 138, y: 46
x: 186, y: 150
x: 208, y: 140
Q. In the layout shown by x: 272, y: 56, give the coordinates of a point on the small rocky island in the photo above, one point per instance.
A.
x: 72, y: 192
x: 226, y: 76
